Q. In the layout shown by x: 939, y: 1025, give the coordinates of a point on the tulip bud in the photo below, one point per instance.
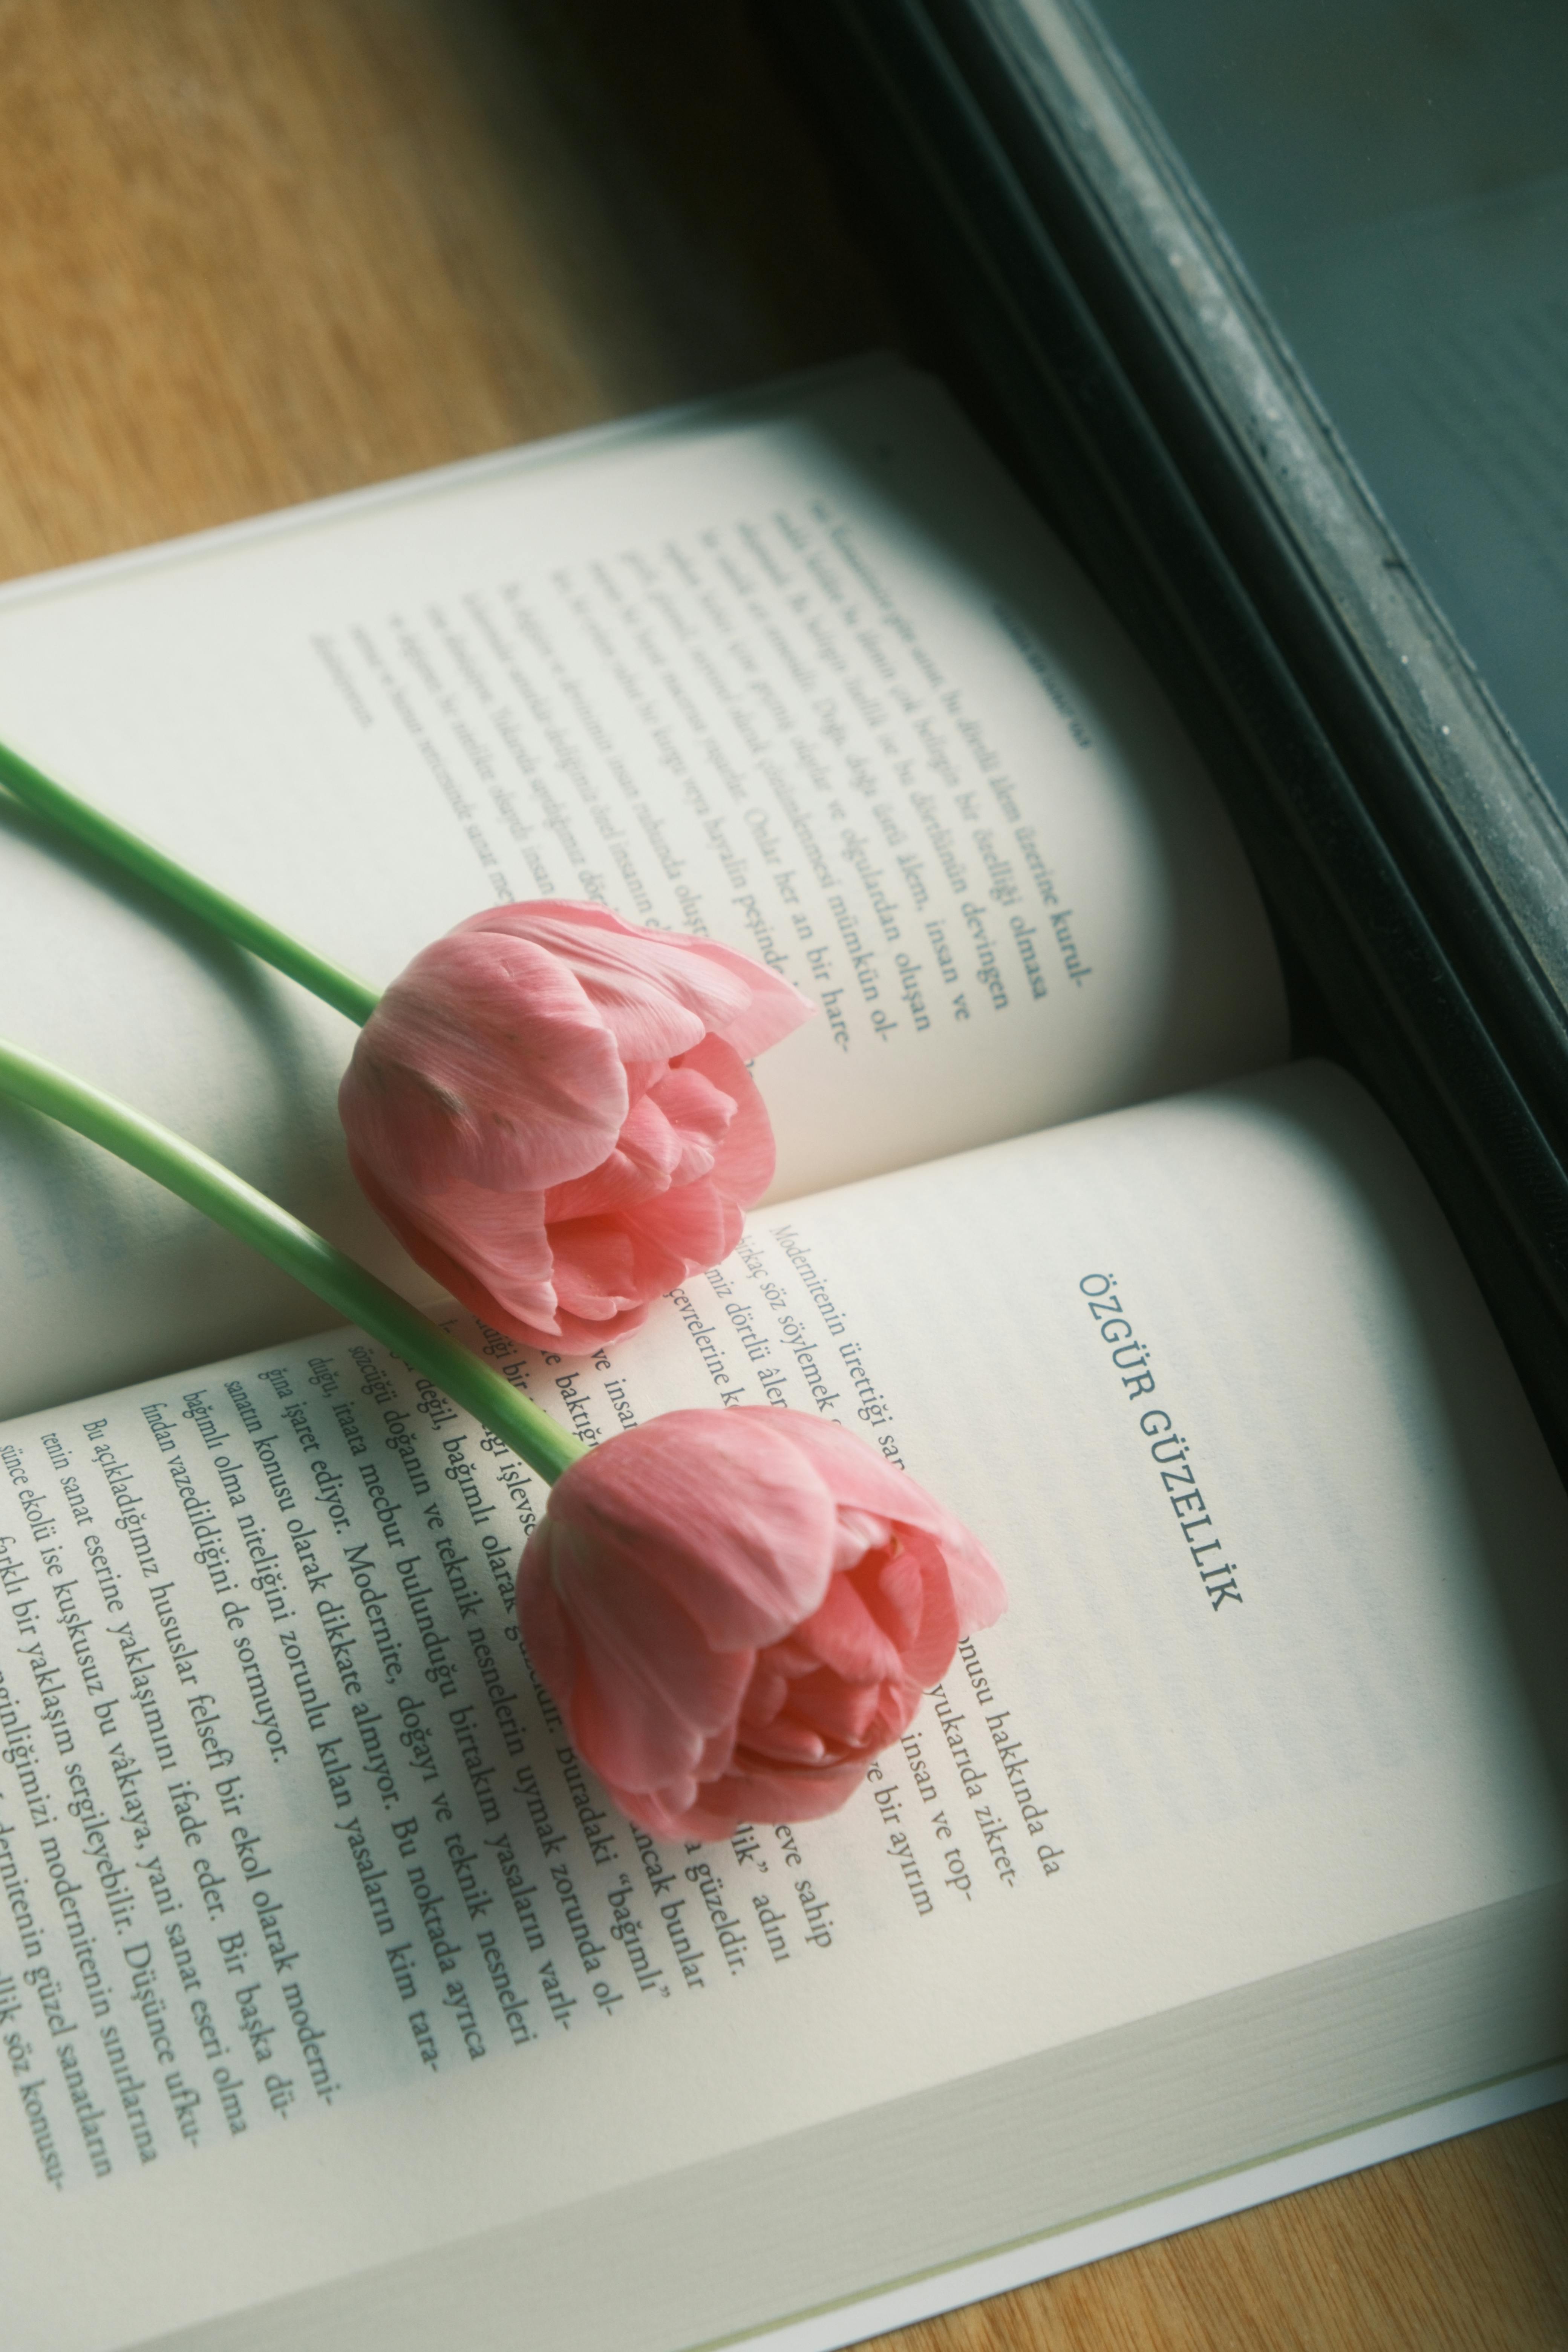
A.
x: 737, y: 1609
x: 551, y: 1108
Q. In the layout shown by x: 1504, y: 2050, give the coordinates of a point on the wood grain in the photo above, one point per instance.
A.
x: 260, y: 250
x: 257, y: 250
x: 1463, y: 2248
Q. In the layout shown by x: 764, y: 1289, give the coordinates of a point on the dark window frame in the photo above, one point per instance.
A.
x: 1416, y: 872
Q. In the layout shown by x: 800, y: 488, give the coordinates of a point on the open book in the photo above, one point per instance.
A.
x: 340, y: 2005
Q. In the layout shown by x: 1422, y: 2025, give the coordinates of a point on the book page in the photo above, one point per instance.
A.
x: 320, y: 1945
x: 803, y: 674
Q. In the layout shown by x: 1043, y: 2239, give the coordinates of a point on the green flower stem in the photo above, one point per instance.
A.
x: 39, y: 792
x: 229, y: 1201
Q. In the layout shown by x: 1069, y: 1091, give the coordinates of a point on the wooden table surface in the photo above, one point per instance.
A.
x: 257, y: 250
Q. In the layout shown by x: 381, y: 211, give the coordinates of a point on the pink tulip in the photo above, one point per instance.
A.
x: 552, y: 1109
x: 737, y: 1609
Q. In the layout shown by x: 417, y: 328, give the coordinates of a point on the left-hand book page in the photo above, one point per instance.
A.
x: 800, y: 668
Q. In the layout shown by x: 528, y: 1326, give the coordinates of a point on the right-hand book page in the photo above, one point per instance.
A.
x: 1243, y: 1826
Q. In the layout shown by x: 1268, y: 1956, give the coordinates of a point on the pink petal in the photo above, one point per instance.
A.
x: 484, y: 1061
x: 545, y: 1624
x: 765, y: 1694
x: 787, y: 1741
x: 618, y: 1182
x: 621, y: 965
x: 743, y: 1163
x: 842, y: 1715
x: 695, y: 1112
x: 861, y: 1717
x: 927, y: 1648
x: 648, y: 1694
x: 715, y: 1757
x: 859, y: 1475
x: 857, y: 1534
x: 671, y: 1136
x: 714, y: 1507
x: 891, y: 1585
x: 585, y: 1335
x: 605, y: 1265
x: 843, y: 1634
x: 696, y: 1224
x: 654, y: 996
x: 791, y: 1658
x: 776, y: 1007
x: 751, y: 1793
x: 663, y: 1813
x: 490, y: 1249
